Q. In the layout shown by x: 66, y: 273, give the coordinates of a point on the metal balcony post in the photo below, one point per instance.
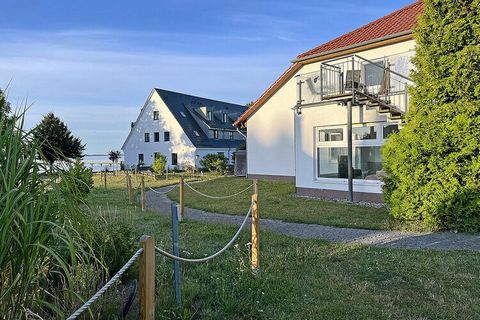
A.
x: 350, y: 151
x: 321, y: 82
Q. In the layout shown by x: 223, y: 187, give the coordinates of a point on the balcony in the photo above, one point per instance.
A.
x: 373, y: 84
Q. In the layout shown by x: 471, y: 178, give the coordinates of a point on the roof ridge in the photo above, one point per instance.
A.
x: 361, y: 28
x: 186, y: 94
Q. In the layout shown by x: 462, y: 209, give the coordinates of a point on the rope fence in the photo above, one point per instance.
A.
x: 218, y: 197
x: 162, y: 192
x: 100, y: 292
x: 205, y: 259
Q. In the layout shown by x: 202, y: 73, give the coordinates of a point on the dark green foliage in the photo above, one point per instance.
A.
x: 433, y: 163
x: 78, y: 179
x: 215, y: 162
x: 56, y: 140
x: 114, y: 156
x: 5, y: 108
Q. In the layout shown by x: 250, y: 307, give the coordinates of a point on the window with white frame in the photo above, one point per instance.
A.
x: 332, y: 150
x: 209, y: 115
x: 225, y: 118
x: 155, y: 115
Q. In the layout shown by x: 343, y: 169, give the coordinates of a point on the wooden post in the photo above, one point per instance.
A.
x: 166, y: 174
x: 130, y: 189
x: 147, y: 279
x: 105, y: 178
x: 182, y: 201
x: 142, y: 192
x: 255, y: 232
x: 126, y: 183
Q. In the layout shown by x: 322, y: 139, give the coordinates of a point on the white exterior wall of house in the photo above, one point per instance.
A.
x: 270, y: 141
x: 179, y: 142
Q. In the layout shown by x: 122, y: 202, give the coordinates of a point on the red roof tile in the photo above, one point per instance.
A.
x: 399, y: 21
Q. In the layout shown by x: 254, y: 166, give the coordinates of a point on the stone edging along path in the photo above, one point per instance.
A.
x: 394, y: 239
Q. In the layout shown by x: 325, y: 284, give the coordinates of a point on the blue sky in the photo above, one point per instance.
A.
x: 93, y: 63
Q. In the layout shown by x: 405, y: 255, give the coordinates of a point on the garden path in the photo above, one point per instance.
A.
x: 394, y: 239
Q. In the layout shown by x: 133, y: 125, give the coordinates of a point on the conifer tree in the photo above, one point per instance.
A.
x: 56, y: 140
x: 433, y: 163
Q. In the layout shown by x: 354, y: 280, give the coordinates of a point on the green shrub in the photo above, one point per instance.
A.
x: 215, y: 162
x: 159, y: 164
x: 78, y: 179
x: 433, y: 163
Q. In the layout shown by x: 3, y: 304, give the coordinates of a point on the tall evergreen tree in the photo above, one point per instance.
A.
x: 433, y: 163
x: 56, y: 140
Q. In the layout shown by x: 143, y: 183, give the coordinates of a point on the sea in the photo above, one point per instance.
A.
x: 100, y: 162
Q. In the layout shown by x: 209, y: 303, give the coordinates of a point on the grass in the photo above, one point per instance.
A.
x: 278, y: 201
x: 302, y: 279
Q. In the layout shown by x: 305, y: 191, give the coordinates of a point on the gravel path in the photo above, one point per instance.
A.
x: 395, y: 239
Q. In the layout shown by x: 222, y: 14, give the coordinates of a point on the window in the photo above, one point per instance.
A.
x: 155, y: 115
x: 364, y: 133
x: 174, y: 159
x: 230, y: 135
x: 332, y: 152
x: 389, y: 129
x: 209, y: 115
x: 196, y: 133
x: 140, y: 158
x: 225, y: 118
x: 156, y: 136
x: 330, y: 135
x: 215, y: 134
x: 166, y: 136
x: 147, y: 137
x: 183, y: 114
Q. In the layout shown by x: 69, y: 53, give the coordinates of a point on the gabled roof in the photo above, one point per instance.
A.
x: 398, y: 22
x: 189, y: 105
x: 185, y: 108
x: 395, y: 26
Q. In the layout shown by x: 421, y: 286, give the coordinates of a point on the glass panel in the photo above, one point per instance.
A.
x: 389, y: 129
x: 330, y: 135
x: 374, y: 73
x: 364, y: 133
x: 333, y: 162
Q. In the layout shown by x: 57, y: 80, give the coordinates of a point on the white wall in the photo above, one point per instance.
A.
x: 179, y: 142
x: 270, y: 143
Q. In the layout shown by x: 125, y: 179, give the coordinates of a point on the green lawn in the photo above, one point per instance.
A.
x: 277, y: 201
x: 302, y: 279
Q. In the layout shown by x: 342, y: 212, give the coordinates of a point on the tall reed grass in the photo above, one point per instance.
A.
x: 42, y: 255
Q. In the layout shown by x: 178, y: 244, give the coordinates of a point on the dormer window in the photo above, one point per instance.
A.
x: 225, y: 118
x: 155, y: 115
x: 209, y: 116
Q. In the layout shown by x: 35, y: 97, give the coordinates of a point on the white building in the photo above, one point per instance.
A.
x: 184, y: 128
x: 298, y: 129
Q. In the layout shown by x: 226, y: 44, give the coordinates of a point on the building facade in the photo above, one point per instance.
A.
x: 184, y: 128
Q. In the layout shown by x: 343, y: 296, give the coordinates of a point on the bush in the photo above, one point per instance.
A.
x: 159, y: 164
x: 78, y: 180
x: 215, y: 162
x: 433, y: 163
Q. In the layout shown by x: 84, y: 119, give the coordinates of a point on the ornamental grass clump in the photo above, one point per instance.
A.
x: 433, y: 163
x: 42, y: 253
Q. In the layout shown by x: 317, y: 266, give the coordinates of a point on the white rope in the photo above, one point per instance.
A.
x: 171, y: 256
x: 219, y: 197
x: 163, y: 192
x: 106, y: 286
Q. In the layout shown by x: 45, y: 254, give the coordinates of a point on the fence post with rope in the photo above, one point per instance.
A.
x: 255, y: 229
x: 142, y: 192
x: 147, y: 279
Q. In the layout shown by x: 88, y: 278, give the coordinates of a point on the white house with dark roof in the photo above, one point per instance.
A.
x: 184, y: 128
x: 323, y: 122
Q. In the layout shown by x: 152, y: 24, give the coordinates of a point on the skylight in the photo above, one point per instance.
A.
x: 183, y: 114
x: 196, y: 133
